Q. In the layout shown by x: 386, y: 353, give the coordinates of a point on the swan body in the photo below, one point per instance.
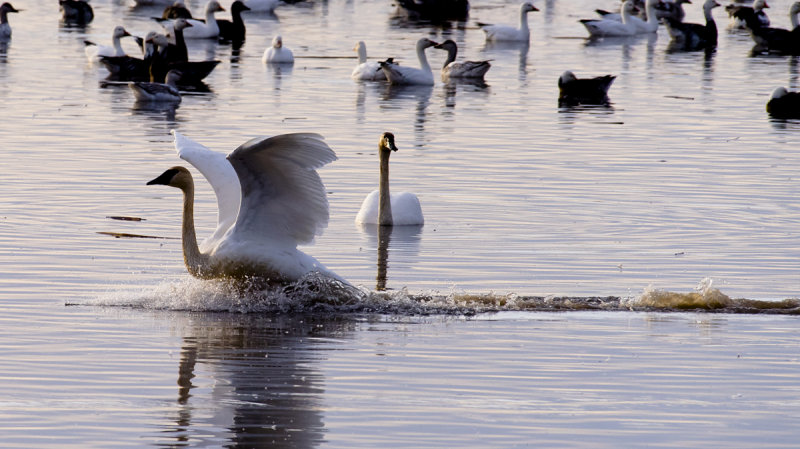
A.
x: 397, y: 74
x: 277, y: 53
x: 574, y: 91
x: 507, y: 33
x: 207, y: 29
x: 159, y: 92
x: 366, y: 70
x: 262, y: 5
x: 465, y: 69
x: 694, y: 36
x: 94, y: 51
x: 642, y: 26
x: 784, y: 104
x: 283, y: 204
x: 5, y: 27
x: 383, y: 208
x: 613, y: 28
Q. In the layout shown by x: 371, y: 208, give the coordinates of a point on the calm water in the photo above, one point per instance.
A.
x: 683, y: 182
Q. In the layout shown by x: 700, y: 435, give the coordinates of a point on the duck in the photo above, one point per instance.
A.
x: 694, y: 36
x: 397, y: 74
x: 283, y: 204
x: 267, y: 6
x: 233, y: 30
x: 177, y: 10
x: 770, y: 39
x: 76, y: 11
x: 277, y: 53
x: 784, y: 104
x: 507, y: 33
x: 383, y: 208
x: 612, y: 28
x: 5, y: 27
x: 574, y: 91
x: 366, y: 70
x: 94, y: 51
x: 671, y: 9
x: 166, y: 92
x: 465, y: 69
x: 201, y: 29
x: 757, y: 9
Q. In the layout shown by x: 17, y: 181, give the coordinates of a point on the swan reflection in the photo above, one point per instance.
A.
x: 397, y: 96
x: 506, y: 47
x: 403, y: 240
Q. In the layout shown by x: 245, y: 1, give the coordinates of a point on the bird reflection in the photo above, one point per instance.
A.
x: 156, y: 110
x: 3, y: 52
x: 511, y: 47
x: 452, y: 86
x: 260, y: 384
x: 398, y: 94
x: 406, y: 242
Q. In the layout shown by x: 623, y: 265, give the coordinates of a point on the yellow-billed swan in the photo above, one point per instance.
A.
x: 283, y: 204
x: 277, y: 53
x: 385, y: 209
x: 366, y: 71
x: 397, y: 74
x: 507, y: 33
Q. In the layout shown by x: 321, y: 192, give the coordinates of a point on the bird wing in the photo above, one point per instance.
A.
x: 219, y: 173
x: 283, y: 198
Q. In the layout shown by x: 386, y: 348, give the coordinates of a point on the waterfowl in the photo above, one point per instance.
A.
x: 76, y: 11
x: 5, y: 28
x: 192, y: 72
x: 607, y: 27
x: 574, y: 91
x: 397, y: 74
x: 202, y: 29
x: 506, y: 33
x: 233, y: 30
x: 283, y: 204
x: 642, y: 26
x: 465, y: 69
x: 383, y: 208
x: 694, y: 36
x: 784, y: 104
x: 177, y: 10
x: 94, y: 51
x: 166, y: 92
x: 671, y: 9
x: 638, y: 6
x: 757, y: 9
x: 277, y: 53
x: 129, y: 68
x: 366, y: 71
x: 771, y: 39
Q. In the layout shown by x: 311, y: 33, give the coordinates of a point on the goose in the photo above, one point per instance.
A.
x: 771, y: 39
x: 233, y: 30
x: 397, y: 74
x: 277, y: 53
x: 267, y: 6
x: 366, y: 71
x: 177, y: 10
x: 506, y: 33
x: 466, y: 69
x: 671, y: 9
x: 283, y: 204
x: 607, y: 27
x: 94, y: 51
x: 163, y: 60
x: 757, y: 9
x: 651, y: 24
x: 201, y: 29
x: 574, y: 91
x: 693, y: 36
x: 5, y: 28
x: 385, y: 209
x: 784, y: 104
x: 76, y: 11
x: 129, y: 68
x: 166, y: 92
x: 638, y: 7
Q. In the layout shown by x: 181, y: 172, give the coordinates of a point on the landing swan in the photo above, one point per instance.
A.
x: 508, y: 33
x: 94, y: 51
x: 385, y: 209
x: 465, y: 69
x: 283, y: 204
x: 608, y: 27
x: 366, y: 71
x: 397, y: 74
x: 277, y: 53
x: 5, y: 28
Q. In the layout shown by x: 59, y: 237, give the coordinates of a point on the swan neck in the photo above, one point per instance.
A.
x: 384, y: 198
x: 195, y: 261
x: 423, y: 60
x: 523, y: 20
x: 793, y: 18
x: 117, y: 46
x: 451, y: 56
x: 362, y: 54
x: 651, y: 12
x: 707, y: 13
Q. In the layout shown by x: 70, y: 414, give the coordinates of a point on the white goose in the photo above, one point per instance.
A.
x: 94, y: 51
x: 166, y: 92
x: 277, y: 53
x: 283, y: 204
x: 465, y: 69
x: 5, y: 28
x: 642, y: 26
x: 613, y: 28
x: 397, y: 74
x: 385, y: 209
x: 366, y: 71
x: 207, y: 29
x: 507, y: 33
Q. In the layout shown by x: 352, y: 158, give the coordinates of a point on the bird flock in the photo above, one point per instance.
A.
x: 270, y: 197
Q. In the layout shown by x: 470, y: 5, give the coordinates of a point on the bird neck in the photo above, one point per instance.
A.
x: 451, y: 56
x: 117, y: 46
x: 180, y: 43
x: 523, y: 20
x: 793, y: 18
x: 625, y: 14
x: 236, y: 15
x: 362, y: 54
x: 423, y: 62
x: 707, y: 13
x: 195, y: 261
x: 384, y: 198
x: 650, y: 7
x: 210, y: 20
x: 3, y: 17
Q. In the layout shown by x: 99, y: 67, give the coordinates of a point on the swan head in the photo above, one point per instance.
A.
x: 239, y: 6
x: 120, y: 32
x: 386, y: 144
x: 566, y: 77
x: 424, y: 43
x: 214, y: 6
x: 277, y: 41
x: 528, y: 7
x: 758, y: 5
x: 178, y: 177
x: 447, y: 45
x: 795, y: 9
x: 6, y: 7
x: 778, y: 93
x: 359, y: 46
x: 182, y: 24
x: 709, y: 5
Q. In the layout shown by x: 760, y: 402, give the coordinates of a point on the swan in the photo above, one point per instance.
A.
x: 784, y: 104
x: 574, y: 91
x: 608, y: 27
x: 772, y: 39
x: 694, y: 36
x: 757, y: 9
x: 233, y: 30
x: 277, y: 53
x: 466, y: 69
x: 397, y: 74
x: 5, y: 28
x: 381, y: 208
x: 94, y: 51
x: 129, y: 68
x: 283, y: 204
x: 166, y: 92
x: 509, y: 33
x: 76, y: 11
x: 262, y: 5
x: 642, y: 26
x: 201, y: 29
x: 638, y: 8
x: 366, y: 71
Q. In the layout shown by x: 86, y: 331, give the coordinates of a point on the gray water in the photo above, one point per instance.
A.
x: 680, y: 194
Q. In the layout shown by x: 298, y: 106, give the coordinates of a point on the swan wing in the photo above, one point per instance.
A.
x: 219, y: 173
x: 283, y: 198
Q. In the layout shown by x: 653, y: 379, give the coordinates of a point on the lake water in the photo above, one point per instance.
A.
x: 681, y: 194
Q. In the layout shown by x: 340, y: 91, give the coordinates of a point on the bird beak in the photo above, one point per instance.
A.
x: 163, y: 178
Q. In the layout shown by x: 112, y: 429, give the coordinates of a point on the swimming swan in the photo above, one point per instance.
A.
x: 397, y: 74
x: 366, y: 71
x: 508, y: 33
x: 283, y: 204
x: 201, y: 29
x: 464, y: 69
x: 381, y: 208
x: 608, y: 27
x: 277, y: 53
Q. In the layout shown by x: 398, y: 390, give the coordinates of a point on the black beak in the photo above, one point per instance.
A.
x: 163, y: 178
